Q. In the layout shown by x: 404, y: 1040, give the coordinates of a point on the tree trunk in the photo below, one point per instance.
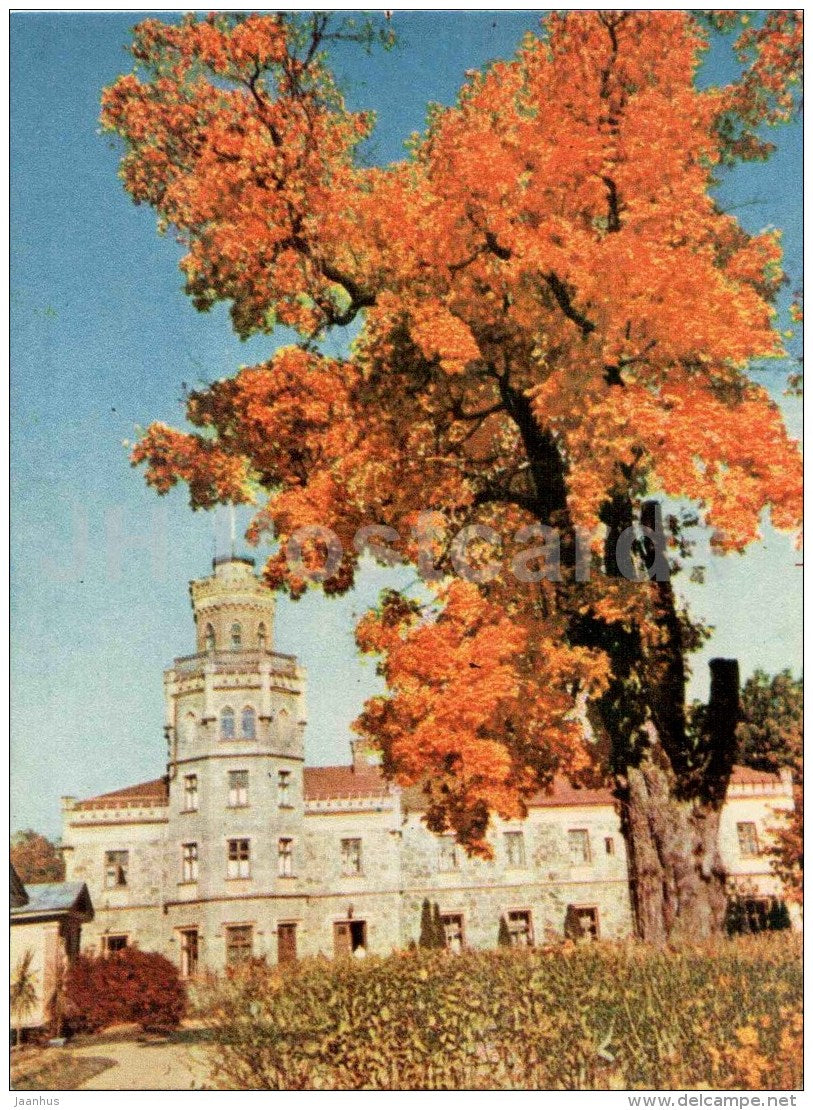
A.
x: 677, y: 880
x: 671, y: 785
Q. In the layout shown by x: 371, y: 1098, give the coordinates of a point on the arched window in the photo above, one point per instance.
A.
x: 236, y: 636
x: 210, y: 638
x: 261, y: 637
x: 189, y: 727
x: 227, y: 723
x: 248, y: 723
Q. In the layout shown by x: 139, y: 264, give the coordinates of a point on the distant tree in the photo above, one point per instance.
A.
x: 36, y: 859
x: 735, y: 918
x: 751, y: 915
x: 778, y: 915
x: 503, y: 936
x: 426, y: 939
x: 438, y: 931
x: 770, y: 737
x: 770, y: 732
x: 788, y: 848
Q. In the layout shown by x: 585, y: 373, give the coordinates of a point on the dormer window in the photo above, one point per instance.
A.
x: 227, y: 723
x: 236, y: 637
x: 210, y: 638
x: 261, y: 638
x: 248, y: 723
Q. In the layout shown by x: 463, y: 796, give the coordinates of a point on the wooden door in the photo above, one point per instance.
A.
x: 342, y: 940
x: 286, y: 943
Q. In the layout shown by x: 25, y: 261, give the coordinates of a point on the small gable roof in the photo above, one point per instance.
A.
x: 45, y: 899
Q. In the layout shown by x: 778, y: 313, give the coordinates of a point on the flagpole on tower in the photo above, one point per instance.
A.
x: 233, y: 524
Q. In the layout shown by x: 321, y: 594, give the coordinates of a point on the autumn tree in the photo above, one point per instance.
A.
x: 554, y: 322
x: 35, y: 858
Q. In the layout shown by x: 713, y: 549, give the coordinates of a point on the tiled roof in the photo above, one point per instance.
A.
x: 741, y: 776
x: 54, y: 898
x: 344, y: 782
x: 563, y: 793
x: 152, y: 793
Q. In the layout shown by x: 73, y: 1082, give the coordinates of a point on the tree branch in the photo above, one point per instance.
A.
x: 563, y: 299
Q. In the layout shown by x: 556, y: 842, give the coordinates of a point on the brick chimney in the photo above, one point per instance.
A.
x: 363, y: 756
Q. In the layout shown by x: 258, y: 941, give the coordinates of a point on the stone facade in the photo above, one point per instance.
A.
x: 240, y: 849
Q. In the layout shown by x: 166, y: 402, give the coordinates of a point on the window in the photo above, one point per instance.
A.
x: 579, y: 842
x: 209, y: 638
x: 286, y: 943
x: 114, y: 942
x: 236, y: 637
x: 519, y: 928
x: 284, y: 789
x: 227, y: 723
x: 189, y: 728
x: 351, y: 856
x: 609, y: 845
x: 285, y: 857
x: 115, y: 869
x: 239, y: 943
x: 190, y: 793
x: 238, y: 789
x: 581, y: 921
x: 747, y: 836
x: 189, y: 866
x: 453, y: 930
x: 248, y: 723
x: 189, y: 953
x: 515, y: 849
x: 239, y: 860
x: 262, y: 638
x: 447, y: 854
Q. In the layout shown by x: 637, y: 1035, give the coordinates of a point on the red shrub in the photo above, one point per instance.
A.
x: 129, y: 985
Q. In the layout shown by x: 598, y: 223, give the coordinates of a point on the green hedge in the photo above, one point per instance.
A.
x: 584, y: 1016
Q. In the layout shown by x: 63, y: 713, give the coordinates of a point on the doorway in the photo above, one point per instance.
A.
x: 349, y: 937
x: 286, y: 943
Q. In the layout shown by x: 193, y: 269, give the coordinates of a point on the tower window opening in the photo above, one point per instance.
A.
x: 209, y: 638
x: 262, y: 638
x: 248, y: 723
x: 227, y: 723
x: 116, y: 866
x: 239, y: 859
x: 236, y: 637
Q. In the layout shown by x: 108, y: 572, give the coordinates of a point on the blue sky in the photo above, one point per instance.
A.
x: 103, y: 337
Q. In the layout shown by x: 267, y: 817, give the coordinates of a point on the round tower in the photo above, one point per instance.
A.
x: 235, y: 720
x: 233, y: 610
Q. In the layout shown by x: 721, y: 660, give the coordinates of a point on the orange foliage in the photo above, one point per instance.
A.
x: 545, y: 277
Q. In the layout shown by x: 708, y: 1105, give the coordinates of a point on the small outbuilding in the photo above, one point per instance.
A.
x: 46, y: 924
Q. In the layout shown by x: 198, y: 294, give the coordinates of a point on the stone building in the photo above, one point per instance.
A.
x: 240, y: 849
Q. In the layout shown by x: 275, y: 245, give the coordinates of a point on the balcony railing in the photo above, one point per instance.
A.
x: 234, y: 660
